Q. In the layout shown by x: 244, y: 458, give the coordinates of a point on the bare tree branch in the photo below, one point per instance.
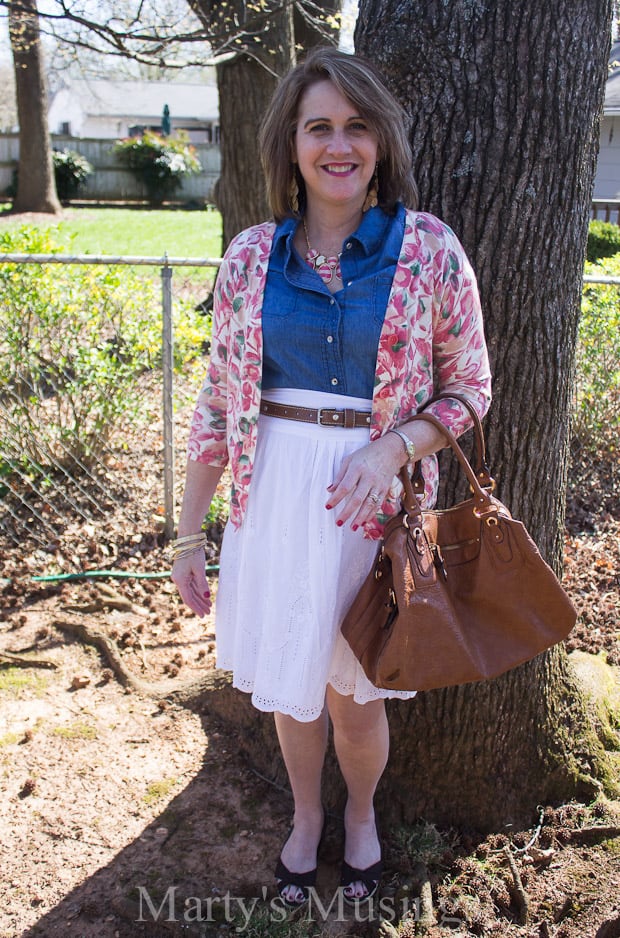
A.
x: 158, y: 37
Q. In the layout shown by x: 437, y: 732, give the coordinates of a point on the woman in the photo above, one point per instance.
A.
x: 331, y: 327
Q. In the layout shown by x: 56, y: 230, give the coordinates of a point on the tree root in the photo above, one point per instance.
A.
x: 181, y: 692
x: 21, y: 661
x: 92, y: 635
x: 591, y: 835
x: 517, y: 890
x: 107, y: 598
x: 427, y: 916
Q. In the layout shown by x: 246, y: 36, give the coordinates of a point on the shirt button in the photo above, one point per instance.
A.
x: 334, y: 381
x: 330, y: 338
x: 348, y: 245
x: 331, y: 302
x: 350, y: 283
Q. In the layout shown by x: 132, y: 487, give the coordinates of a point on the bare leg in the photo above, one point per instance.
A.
x: 361, y: 740
x: 303, y: 748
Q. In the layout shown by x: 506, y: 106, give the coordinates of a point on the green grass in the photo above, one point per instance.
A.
x: 13, y: 680
x: 77, y: 730
x: 144, y: 232
x: 160, y: 789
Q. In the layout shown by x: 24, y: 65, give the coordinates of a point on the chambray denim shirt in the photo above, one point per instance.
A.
x: 328, y: 342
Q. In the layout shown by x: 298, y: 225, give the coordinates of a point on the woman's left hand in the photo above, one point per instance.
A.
x: 364, y: 480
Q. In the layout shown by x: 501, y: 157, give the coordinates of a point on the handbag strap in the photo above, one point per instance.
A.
x: 481, y: 468
x: 484, y: 503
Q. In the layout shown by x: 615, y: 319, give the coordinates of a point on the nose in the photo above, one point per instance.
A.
x: 339, y: 143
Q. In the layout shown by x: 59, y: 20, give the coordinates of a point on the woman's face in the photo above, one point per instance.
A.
x: 335, y: 148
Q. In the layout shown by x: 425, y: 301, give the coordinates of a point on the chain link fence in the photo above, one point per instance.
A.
x: 102, y: 358
x: 596, y: 410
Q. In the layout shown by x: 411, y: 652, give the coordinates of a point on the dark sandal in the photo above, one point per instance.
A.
x: 370, y: 877
x: 303, y: 881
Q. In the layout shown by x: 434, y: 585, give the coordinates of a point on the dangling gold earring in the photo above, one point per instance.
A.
x: 372, y: 196
x: 293, y: 193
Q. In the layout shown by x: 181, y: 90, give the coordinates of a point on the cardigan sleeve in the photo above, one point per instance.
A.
x: 460, y: 358
x: 207, y: 438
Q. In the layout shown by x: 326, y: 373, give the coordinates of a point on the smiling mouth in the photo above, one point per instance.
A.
x: 341, y: 169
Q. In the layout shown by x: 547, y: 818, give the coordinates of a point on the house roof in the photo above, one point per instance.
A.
x: 612, y: 87
x: 146, y: 99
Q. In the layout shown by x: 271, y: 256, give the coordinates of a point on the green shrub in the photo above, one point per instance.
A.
x: 71, y: 170
x: 596, y: 421
x: 158, y: 162
x: 603, y: 240
x: 75, y: 342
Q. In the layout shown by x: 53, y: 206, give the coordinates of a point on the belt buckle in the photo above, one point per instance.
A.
x: 335, y: 417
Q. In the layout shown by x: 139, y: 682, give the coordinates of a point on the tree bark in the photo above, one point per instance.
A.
x: 504, y: 99
x: 245, y: 86
x: 264, y: 47
x: 36, y: 187
x: 504, y: 155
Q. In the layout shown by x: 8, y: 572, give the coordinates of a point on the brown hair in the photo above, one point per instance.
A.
x: 364, y: 87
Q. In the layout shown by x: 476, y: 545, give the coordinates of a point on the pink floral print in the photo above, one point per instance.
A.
x: 432, y: 337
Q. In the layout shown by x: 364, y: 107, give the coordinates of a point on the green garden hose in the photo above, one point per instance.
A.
x: 113, y: 574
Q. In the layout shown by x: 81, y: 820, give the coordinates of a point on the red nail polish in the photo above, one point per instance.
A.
x: 328, y: 506
x: 339, y: 523
x: 207, y: 594
x: 354, y: 527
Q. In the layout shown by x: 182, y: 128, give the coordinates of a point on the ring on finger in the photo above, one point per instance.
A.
x: 373, y: 496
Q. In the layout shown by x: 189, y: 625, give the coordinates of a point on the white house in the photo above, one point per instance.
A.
x: 607, y: 182
x: 112, y: 109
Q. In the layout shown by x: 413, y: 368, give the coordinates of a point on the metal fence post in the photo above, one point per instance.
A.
x: 167, y: 348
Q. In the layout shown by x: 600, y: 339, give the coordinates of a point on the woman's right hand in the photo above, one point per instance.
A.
x: 189, y: 575
x: 189, y: 572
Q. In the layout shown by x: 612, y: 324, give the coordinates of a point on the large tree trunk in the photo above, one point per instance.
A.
x: 245, y: 86
x: 479, y: 757
x: 504, y: 101
x: 36, y: 188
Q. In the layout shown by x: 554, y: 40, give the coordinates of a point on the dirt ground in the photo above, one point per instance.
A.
x: 123, y: 817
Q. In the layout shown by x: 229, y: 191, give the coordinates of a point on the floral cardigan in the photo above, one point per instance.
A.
x: 432, y: 336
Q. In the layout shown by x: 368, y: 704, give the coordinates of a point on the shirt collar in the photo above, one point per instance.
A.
x: 284, y: 230
x: 372, y: 230
x: 370, y: 235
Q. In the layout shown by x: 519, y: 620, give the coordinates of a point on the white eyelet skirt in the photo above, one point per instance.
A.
x: 289, y: 573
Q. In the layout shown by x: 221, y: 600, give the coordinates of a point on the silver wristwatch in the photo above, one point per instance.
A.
x: 409, y: 444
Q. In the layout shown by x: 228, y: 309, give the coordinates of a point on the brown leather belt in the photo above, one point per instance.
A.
x: 323, y: 416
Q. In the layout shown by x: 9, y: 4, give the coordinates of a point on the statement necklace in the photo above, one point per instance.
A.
x: 328, y: 268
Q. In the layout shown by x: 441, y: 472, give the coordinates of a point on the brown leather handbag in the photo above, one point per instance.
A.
x: 457, y: 595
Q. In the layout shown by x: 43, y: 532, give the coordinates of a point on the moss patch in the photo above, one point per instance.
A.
x: 77, y: 730
x: 600, y: 683
x: 14, y: 680
x: 160, y: 789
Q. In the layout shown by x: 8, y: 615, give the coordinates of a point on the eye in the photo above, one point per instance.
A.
x: 358, y: 126
x: 321, y: 128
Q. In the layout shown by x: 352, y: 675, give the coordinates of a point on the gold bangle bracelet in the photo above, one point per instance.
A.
x: 185, y: 552
x: 188, y: 538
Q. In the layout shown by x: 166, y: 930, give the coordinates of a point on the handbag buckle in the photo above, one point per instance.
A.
x: 392, y: 607
x: 379, y: 563
x: 486, y: 514
x: 439, y: 561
